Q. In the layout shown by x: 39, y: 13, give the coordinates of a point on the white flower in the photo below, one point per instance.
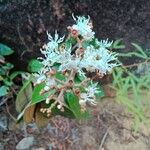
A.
x: 49, y: 83
x: 104, y: 43
x: 53, y: 42
x: 69, y: 62
x: 40, y: 75
x: 51, y: 50
x: 98, y: 59
x: 83, y: 27
x: 40, y: 79
x: 89, y: 96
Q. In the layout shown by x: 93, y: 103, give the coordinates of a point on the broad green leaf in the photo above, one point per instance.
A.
x: 73, y: 103
x: 24, y: 96
x: 60, y: 76
x: 56, y: 66
x: 5, y: 50
x: 3, y: 90
x: 7, y: 82
x: 78, y: 78
x: 67, y: 112
x: 37, y: 97
x: 34, y: 65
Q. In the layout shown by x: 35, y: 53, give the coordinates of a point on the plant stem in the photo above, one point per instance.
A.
x: 135, y: 65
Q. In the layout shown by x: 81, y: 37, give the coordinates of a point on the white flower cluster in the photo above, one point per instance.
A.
x: 92, y: 59
x: 98, y: 59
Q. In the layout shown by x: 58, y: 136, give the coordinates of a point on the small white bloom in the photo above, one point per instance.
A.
x: 98, y: 59
x: 89, y: 95
x: 83, y: 27
x: 47, y: 100
x: 40, y: 76
x: 50, y: 82
x: 46, y: 88
x: 53, y: 42
x: 82, y: 102
x: 105, y: 43
x: 69, y: 62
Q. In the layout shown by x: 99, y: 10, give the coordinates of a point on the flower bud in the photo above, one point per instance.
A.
x: 48, y: 111
x: 74, y: 32
x: 46, y: 88
x: 41, y: 110
x: 77, y: 91
x: 53, y: 71
x: 47, y: 100
x: 59, y: 106
x: 48, y: 115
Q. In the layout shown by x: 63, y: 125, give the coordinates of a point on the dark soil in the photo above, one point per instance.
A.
x: 108, y: 129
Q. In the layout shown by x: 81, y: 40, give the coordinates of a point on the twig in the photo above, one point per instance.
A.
x: 59, y: 81
x: 10, y: 113
x: 2, y: 61
x: 135, y: 65
x: 83, y: 82
x: 3, y: 101
x: 23, y: 41
x: 104, y: 138
x: 60, y: 97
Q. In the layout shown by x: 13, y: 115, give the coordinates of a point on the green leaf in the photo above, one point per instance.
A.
x: 68, y: 45
x: 140, y: 50
x: 101, y: 92
x: 56, y: 66
x: 118, y: 44
x: 94, y: 43
x: 5, y: 50
x: 78, y: 78
x: 24, y: 96
x: 16, y: 73
x: 85, y: 44
x: 1, y: 78
x: 73, y: 103
x: 67, y: 112
x: 7, y: 66
x: 34, y: 65
x: 2, y: 71
x: 37, y: 97
x: 60, y: 76
x: 3, y: 90
x: 7, y: 82
x: 72, y: 40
